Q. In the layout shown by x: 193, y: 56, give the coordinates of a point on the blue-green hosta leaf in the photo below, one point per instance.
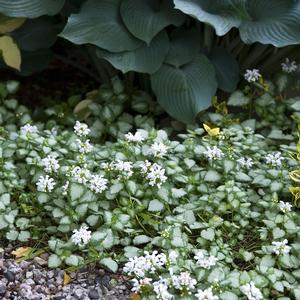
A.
x: 31, y: 36
x: 217, y: 13
x: 145, y: 18
x: 30, y: 8
x: 99, y: 23
x: 274, y: 22
x: 185, y: 91
x: 145, y: 59
x: 227, y: 69
x: 184, y: 46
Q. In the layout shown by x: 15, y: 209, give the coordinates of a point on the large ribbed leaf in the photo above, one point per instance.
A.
x: 99, y: 23
x: 184, y: 46
x: 146, y: 18
x: 30, y: 8
x: 217, y: 13
x: 31, y: 36
x: 274, y: 22
x: 227, y: 69
x: 146, y: 59
x: 185, y: 91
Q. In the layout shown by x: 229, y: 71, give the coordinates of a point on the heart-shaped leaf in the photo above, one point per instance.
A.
x: 144, y: 19
x: 274, y: 22
x: 99, y: 23
x: 184, y: 46
x: 185, y: 91
x: 145, y: 59
x: 30, y: 8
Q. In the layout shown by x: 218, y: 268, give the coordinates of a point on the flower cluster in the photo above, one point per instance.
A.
x: 281, y: 248
x: 274, y: 159
x: 289, y: 66
x: 82, y: 236
x: 50, y: 164
x: 134, y: 138
x: 251, y: 291
x: 252, y: 75
x: 213, y: 153
x: 154, y: 173
x: 205, y: 261
x: 45, y: 184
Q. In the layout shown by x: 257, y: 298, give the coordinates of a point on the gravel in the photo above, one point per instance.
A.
x: 32, y: 280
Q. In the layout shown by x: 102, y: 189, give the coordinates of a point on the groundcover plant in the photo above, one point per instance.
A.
x: 203, y: 214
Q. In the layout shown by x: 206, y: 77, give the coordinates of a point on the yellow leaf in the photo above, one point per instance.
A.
x: 295, y: 175
x: 211, y: 131
x: 9, y: 24
x: 135, y: 296
x: 295, y: 191
x: 22, y: 251
x: 10, y: 52
x: 67, y: 279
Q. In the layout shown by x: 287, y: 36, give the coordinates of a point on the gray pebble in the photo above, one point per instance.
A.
x: 2, y: 289
x: 9, y: 276
x: 93, y: 294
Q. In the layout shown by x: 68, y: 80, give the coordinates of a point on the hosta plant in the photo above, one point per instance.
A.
x: 172, y: 42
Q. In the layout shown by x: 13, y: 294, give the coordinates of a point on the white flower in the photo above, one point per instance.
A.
x: 45, y: 184
x: 65, y: 188
x: 137, y: 266
x: 252, y: 75
x: 84, y: 147
x: 159, y: 149
x: 82, y: 236
x: 183, y: 281
x: 28, y: 129
x: 173, y: 255
x: 274, y: 159
x: 50, y: 164
x: 205, y: 261
x: 98, y: 183
x: 124, y: 166
x: 160, y: 288
x: 156, y: 175
x: 285, y: 206
x: 81, y: 175
x: 281, y: 247
x: 81, y: 129
x: 145, y: 166
x: 139, y: 284
x: 251, y: 291
x: 157, y: 260
x: 206, y: 295
x: 245, y: 162
x: 289, y: 66
x: 213, y: 153
x: 136, y: 138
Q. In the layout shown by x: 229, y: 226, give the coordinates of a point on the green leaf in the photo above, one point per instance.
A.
x: 24, y: 236
x: 227, y: 69
x: 73, y: 260
x: 214, y: 13
x: 274, y: 22
x: 228, y: 296
x: 99, y: 23
x: 155, y: 205
x: 141, y: 239
x: 30, y: 8
x: 267, y: 261
x: 145, y: 19
x: 109, y: 263
x: 8, y: 24
x: 31, y: 36
x: 54, y: 261
x: 183, y: 92
x: 212, y: 176
x: 145, y: 59
x: 208, y: 234
x: 238, y: 98
x: 76, y: 191
x: 184, y: 46
x: 278, y: 233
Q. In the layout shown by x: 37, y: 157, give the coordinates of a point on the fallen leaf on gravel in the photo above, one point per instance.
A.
x: 22, y: 251
x: 67, y: 279
x: 135, y: 296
